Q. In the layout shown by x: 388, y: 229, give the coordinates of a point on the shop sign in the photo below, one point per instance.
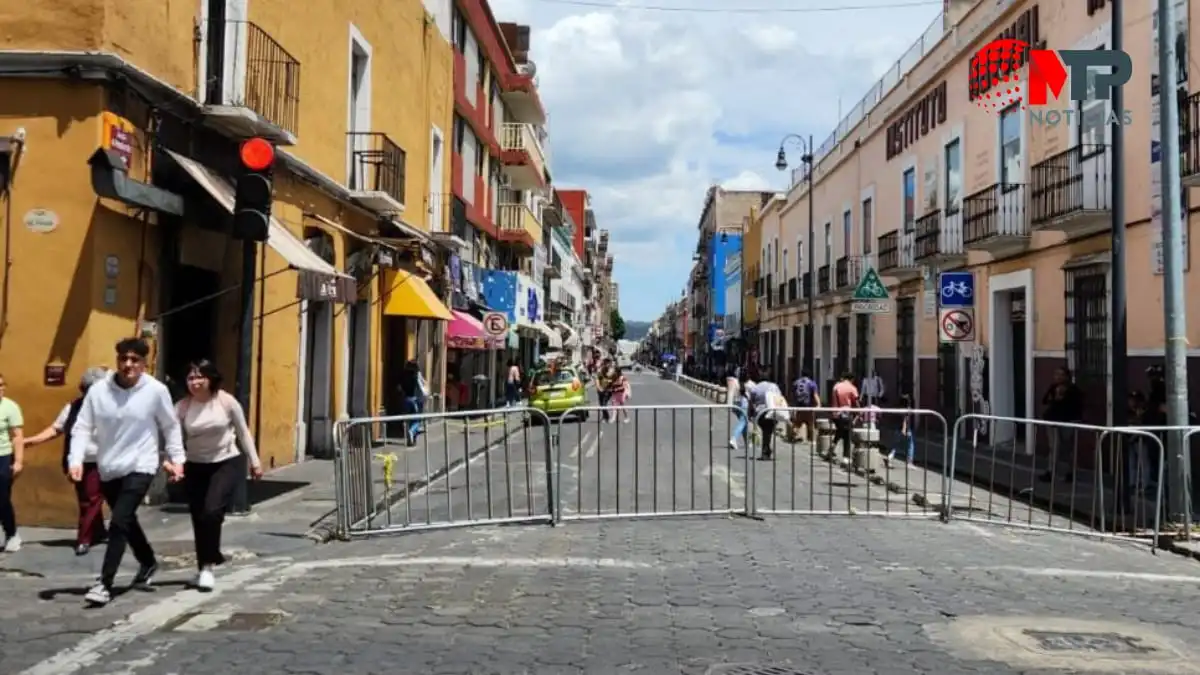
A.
x: 117, y: 134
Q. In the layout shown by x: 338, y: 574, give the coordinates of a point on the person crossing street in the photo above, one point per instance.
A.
x: 123, y: 416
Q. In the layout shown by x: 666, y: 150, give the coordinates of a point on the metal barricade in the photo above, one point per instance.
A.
x: 1138, y: 477
x: 463, y: 468
x: 1043, y: 475
x: 850, y: 462
x: 649, y: 461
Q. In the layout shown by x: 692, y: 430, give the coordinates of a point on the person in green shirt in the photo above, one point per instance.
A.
x: 12, y: 456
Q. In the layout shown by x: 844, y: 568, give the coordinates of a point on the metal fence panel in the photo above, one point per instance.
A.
x: 463, y: 468
x: 649, y: 461
x: 1057, y: 476
x: 860, y: 462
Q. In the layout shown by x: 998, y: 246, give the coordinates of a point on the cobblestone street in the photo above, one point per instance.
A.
x: 819, y: 595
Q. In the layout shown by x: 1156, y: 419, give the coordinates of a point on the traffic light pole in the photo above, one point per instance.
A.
x: 240, y: 501
x: 251, y: 224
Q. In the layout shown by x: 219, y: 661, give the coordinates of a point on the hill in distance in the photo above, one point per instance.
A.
x: 636, y: 330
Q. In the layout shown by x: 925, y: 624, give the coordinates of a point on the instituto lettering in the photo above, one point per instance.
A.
x: 925, y: 115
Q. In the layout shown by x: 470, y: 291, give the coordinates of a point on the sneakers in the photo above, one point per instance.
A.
x: 205, y: 580
x: 13, y: 544
x: 145, y: 576
x: 98, y: 595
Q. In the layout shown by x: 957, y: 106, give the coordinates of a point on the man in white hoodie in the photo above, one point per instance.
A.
x: 123, y: 416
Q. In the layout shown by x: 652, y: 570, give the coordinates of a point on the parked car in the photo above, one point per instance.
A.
x: 555, y: 392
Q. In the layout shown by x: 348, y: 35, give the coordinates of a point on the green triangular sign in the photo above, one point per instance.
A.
x: 870, y: 287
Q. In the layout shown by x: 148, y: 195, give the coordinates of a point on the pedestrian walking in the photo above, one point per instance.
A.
x: 622, y: 391
x: 12, y: 461
x: 765, y: 399
x: 215, y: 433
x: 90, y: 531
x: 124, y: 415
x: 807, y: 394
x: 872, y: 388
x: 605, y: 381
x: 414, y: 390
x: 907, y: 438
x: 1063, y: 403
x: 512, y: 385
x: 845, y: 399
x: 737, y: 398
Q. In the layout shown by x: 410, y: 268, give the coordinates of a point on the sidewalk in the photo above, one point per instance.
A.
x: 1091, y: 499
x: 292, y: 508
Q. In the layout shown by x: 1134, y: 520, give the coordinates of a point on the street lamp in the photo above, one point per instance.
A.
x: 781, y: 164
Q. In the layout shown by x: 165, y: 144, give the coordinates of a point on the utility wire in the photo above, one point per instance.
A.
x: 742, y: 10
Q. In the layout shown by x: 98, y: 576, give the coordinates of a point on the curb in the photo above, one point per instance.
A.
x: 323, y: 534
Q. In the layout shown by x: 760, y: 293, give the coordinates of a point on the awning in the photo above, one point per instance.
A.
x: 572, y: 337
x: 552, y: 336
x: 406, y: 294
x: 466, y: 332
x: 318, y: 280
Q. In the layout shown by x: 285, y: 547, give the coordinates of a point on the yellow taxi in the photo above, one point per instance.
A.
x: 555, y: 391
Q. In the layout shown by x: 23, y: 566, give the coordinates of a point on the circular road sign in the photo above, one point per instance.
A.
x: 495, y: 324
x: 957, y: 325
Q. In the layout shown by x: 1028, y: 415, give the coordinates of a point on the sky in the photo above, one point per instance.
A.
x: 649, y: 107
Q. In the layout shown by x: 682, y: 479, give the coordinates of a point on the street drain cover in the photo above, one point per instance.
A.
x: 1076, y: 645
x: 1096, y: 643
x: 753, y: 669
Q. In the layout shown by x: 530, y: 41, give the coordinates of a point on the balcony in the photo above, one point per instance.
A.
x: 263, y: 98
x: 848, y: 271
x: 939, y: 239
x: 793, y: 289
x: 521, y: 153
x: 519, y: 225
x: 602, y: 246
x: 781, y: 293
x: 376, y: 171
x: 824, y: 284
x: 1189, y: 141
x: 994, y: 220
x: 896, y: 255
x: 552, y: 211
x: 520, y: 94
x: 806, y: 285
x: 1071, y: 192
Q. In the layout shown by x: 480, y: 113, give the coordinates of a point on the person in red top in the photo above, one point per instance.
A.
x: 845, y: 399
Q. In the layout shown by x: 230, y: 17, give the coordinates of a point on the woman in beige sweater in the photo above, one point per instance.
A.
x: 215, y: 433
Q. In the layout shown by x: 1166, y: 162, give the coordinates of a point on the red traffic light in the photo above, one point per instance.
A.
x: 257, y: 154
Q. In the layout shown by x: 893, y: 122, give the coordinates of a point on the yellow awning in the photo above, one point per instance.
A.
x: 407, y: 294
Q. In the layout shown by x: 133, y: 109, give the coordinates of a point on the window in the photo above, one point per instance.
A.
x: 1092, y: 118
x: 847, y: 231
x: 953, y: 176
x: 1087, y: 326
x: 799, y: 257
x: 458, y: 29
x: 460, y: 132
x: 868, y: 224
x: 910, y: 200
x: 785, y: 263
x: 828, y: 243
x: 480, y: 156
x: 1010, y: 145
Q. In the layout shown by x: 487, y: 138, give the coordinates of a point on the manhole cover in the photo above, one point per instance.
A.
x: 753, y: 669
x: 1097, y: 643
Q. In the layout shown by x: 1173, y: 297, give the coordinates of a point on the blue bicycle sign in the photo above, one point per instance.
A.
x: 956, y: 289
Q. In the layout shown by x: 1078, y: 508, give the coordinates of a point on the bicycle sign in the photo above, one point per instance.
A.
x: 956, y: 289
x: 871, y: 295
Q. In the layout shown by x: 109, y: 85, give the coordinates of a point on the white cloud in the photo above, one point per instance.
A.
x: 647, y: 109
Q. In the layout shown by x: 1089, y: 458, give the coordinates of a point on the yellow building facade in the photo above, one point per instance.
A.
x: 356, y: 96
x: 920, y: 179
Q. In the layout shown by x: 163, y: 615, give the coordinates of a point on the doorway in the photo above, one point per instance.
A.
x: 360, y: 359
x: 1010, y: 352
x: 842, y: 355
x: 318, y: 380
x: 189, y: 331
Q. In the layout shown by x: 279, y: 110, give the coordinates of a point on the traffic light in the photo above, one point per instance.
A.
x: 252, y: 203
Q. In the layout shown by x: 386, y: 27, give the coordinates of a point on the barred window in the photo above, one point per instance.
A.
x: 1086, y: 317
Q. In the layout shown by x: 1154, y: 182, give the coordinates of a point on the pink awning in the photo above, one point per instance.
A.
x: 466, y: 332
